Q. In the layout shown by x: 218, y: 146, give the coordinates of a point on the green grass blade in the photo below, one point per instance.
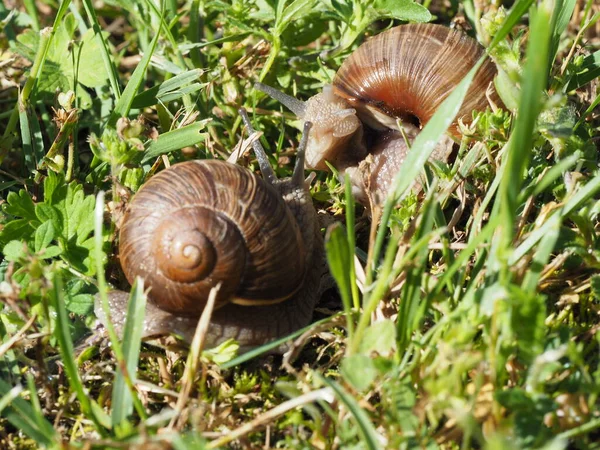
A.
x: 351, y: 233
x: 340, y: 260
x: 574, y: 203
x: 534, y: 79
x: 543, y: 253
x: 62, y: 332
x: 563, y: 10
x: 175, y: 140
x: 122, y: 401
x: 125, y: 101
x: 412, y: 308
x: 370, y: 437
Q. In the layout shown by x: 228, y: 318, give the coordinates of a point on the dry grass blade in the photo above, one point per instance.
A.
x: 193, y: 358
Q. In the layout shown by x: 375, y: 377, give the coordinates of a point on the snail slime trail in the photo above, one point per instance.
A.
x: 260, y: 237
x: 404, y: 73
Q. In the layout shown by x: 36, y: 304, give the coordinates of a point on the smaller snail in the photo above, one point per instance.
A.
x: 199, y: 223
x: 402, y: 74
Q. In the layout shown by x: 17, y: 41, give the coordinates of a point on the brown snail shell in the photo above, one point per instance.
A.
x: 406, y: 72
x: 192, y: 228
x: 402, y: 74
x: 203, y: 223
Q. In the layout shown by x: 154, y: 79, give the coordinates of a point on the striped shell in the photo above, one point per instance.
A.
x: 203, y: 222
x: 408, y: 71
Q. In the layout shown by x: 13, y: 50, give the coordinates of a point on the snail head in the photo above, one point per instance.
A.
x: 335, y: 124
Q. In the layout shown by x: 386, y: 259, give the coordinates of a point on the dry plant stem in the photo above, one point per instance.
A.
x: 324, y: 394
x: 194, y: 357
x: 18, y: 335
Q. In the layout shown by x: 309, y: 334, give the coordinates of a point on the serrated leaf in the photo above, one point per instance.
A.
x: 46, y: 212
x: 20, y: 205
x: 43, y: 236
x: 14, y: 250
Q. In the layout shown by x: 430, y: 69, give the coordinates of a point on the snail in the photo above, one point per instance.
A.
x: 202, y: 222
x: 402, y: 74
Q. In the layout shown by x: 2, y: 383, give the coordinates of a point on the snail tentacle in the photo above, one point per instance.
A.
x: 298, y: 107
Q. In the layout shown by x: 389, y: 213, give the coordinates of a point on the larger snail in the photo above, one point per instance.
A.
x: 199, y: 223
x: 402, y: 74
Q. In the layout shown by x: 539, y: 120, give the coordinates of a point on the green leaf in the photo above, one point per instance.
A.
x: 43, y: 236
x: 46, y: 213
x: 588, y: 70
x: 92, y: 72
x: 402, y: 10
x: 359, y: 371
x: 175, y: 140
x: 340, y: 261
x: 380, y: 337
x: 17, y: 229
x: 20, y: 205
x: 14, y: 250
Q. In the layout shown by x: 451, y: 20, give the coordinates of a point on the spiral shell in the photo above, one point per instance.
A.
x: 199, y: 223
x: 408, y: 71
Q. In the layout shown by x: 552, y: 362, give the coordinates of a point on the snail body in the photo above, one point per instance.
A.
x: 203, y: 223
x: 401, y: 75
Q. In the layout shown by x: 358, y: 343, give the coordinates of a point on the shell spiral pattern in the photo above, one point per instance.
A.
x: 199, y: 223
x: 409, y: 70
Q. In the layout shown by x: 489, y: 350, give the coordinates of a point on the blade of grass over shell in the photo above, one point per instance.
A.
x: 62, y: 332
x: 125, y: 100
x: 174, y: 140
x: 122, y: 402
x: 518, y: 151
x: 111, y: 70
x: 24, y: 417
x: 369, y: 435
x: 351, y: 235
x: 419, y: 153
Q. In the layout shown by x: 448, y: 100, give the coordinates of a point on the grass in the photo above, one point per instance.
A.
x: 465, y: 317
